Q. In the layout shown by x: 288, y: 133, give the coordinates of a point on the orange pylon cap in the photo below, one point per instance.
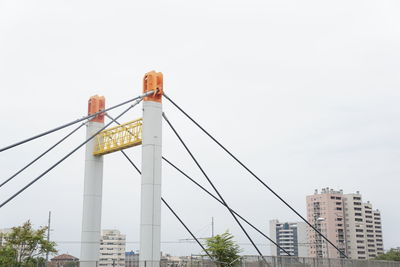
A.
x: 153, y: 81
x: 96, y: 103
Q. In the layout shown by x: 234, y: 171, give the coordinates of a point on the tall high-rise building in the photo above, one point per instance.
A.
x: 364, y: 228
x: 349, y: 223
x: 291, y: 236
x: 112, y: 248
x: 325, y: 213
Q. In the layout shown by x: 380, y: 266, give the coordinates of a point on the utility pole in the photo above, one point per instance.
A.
x: 212, y: 226
x: 48, y: 235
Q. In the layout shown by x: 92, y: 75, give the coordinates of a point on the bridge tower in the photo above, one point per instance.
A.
x: 150, y: 212
x: 93, y: 187
x: 146, y: 131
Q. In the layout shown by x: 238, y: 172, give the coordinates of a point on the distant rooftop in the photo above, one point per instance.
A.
x: 328, y: 190
x: 129, y: 253
x: 64, y: 257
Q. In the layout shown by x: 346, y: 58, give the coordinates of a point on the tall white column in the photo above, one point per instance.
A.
x: 93, y: 187
x: 150, y: 222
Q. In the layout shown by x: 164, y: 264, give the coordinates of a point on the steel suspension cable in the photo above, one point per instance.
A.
x: 204, y: 189
x: 187, y: 229
x: 68, y: 155
x: 73, y: 122
x: 169, y: 207
x: 213, y: 186
x: 213, y: 196
x: 254, y: 175
x: 41, y: 155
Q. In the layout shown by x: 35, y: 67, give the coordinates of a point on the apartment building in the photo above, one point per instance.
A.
x: 364, y: 228
x: 325, y: 213
x: 291, y: 236
x: 112, y: 249
x: 131, y: 259
x: 352, y: 225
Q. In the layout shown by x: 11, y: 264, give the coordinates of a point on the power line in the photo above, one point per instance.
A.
x: 73, y: 122
x: 213, y: 186
x: 254, y: 175
x: 66, y: 156
x: 180, y: 241
x: 41, y: 155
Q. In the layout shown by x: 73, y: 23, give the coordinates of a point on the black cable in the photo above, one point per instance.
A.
x: 254, y: 175
x: 211, y: 183
x: 213, y: 196
x: 133, y: 164
x: 187, y: 229
x: 41, y: 155
x: 71, y: 123
x: 169, y: 207
x: 65, y: 157
x: 204, y: 189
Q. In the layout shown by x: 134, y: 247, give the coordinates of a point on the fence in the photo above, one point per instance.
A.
x: 245, y: 261
x: 271, y: 261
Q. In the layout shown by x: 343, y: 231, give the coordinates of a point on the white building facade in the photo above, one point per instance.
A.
x: 291, y: 236
x: 4, y: 232
x: 112, y: 249
x: 364, y: 228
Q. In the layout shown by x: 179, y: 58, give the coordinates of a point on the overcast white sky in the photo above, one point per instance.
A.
x: 304, y: 92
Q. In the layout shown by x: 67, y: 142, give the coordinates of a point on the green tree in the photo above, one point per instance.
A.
x: 391, y: 255
x: 25, y: 246
x: 223, y: 249
x: 7, y: 256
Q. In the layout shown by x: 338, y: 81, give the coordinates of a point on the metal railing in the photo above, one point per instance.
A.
x: 245, y: 261
x: 119, y: 137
